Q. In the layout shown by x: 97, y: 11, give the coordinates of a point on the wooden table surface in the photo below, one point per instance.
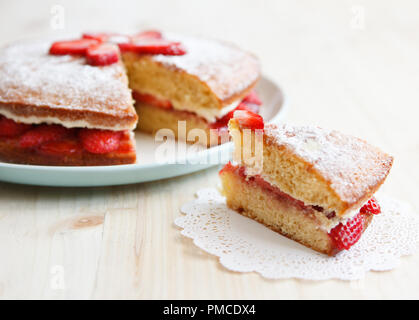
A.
x: 348, y: 65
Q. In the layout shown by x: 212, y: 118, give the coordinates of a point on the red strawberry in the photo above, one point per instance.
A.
x: 371, y: 207
x: 154, y: 46
x: 100, y: 141
x: 345, y: 236
x: 10, y: 128
x: 149, y: 34
x: 102, y: 54
x: 228, y: 168
x: 252, y: 98
x: 42, y: 134
x: 150, y: 99
x: 249, y: 120
x: 60, y: 148
x: 223, y: 122
x: 72, y: 46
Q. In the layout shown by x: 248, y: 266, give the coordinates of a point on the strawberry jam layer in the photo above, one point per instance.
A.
x: 344, y: 235
x: 48, y: 143
x: 250, y: 103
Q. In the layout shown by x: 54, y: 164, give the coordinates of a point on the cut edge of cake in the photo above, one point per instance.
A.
x: 285, y: 207
x: 340, y: 176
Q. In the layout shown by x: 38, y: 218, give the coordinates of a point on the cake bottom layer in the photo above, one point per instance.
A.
x: 279, y: 214
x: 11, y: 152
x: 152, y: 119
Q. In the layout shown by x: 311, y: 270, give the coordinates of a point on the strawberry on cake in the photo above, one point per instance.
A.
x: 70, y: 102
x: 314, y: 186
x: 202, y: 86
x: 56, y: 108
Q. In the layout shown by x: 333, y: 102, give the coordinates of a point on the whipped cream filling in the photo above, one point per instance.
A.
x: 325, y: 223
x: 54, y: 120
x: 209, y: 114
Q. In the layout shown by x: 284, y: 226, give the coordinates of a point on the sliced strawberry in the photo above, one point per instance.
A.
x: 150, y: 99
x: 249, y: 120
x: 42, y: 134
x: 154, y: 46
x: 371, y: 207
x: 60, y: 148
x: 149, y: 34
x: 252, y: 98
x: 102, y: 54
x: 223, y: 122
x: 100, y: 141
x: 10, y: 128
x: 228, y: 168
x: 345, y: 236
x: 72, y: 46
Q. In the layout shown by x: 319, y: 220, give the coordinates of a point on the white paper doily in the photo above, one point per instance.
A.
x: 244, y: 245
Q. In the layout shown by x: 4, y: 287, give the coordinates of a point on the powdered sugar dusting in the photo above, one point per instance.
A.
x: 29, y: 75
x: 351, y: 165
x: 225, y: 68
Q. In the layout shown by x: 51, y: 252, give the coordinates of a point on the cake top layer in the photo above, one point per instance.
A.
x: 63, y: 89
x: 353, y: 168
x: 225, y: 68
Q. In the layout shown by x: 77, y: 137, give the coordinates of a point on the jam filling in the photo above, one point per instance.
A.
x: 258, y: 180
x: 57, y: 141
x: 344, y: 235
x: 250, y: 103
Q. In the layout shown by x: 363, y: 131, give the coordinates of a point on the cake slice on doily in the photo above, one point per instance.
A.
x: 311, y: 185
x: 58, y: 107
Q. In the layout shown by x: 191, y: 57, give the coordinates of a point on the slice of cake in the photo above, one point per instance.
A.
x: 67, y: 104
x: 311, y: 185
x: 201, y: 87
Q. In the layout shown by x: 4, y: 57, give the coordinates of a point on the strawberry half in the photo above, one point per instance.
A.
x: 252, y: 98
x: 72, y: 46
x: 42, y: 134
x: 371, y: 207
x: 102, y: 54
x: 153, y: 46
x: 10, y: 128
x: 345, y: 236
x: 223, y: 122
x: 60, y: 148
x: 249, y: 120
x: 228, y: 168
x: 150, y: 99
x: 100, y: 141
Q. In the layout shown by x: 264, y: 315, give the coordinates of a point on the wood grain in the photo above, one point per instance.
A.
x: 120, y: 242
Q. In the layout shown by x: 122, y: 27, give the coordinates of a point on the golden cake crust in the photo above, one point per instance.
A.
x: 37, y: 87
x: 348, y: 168
x: 226, y: 73
x: 227, y: 70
